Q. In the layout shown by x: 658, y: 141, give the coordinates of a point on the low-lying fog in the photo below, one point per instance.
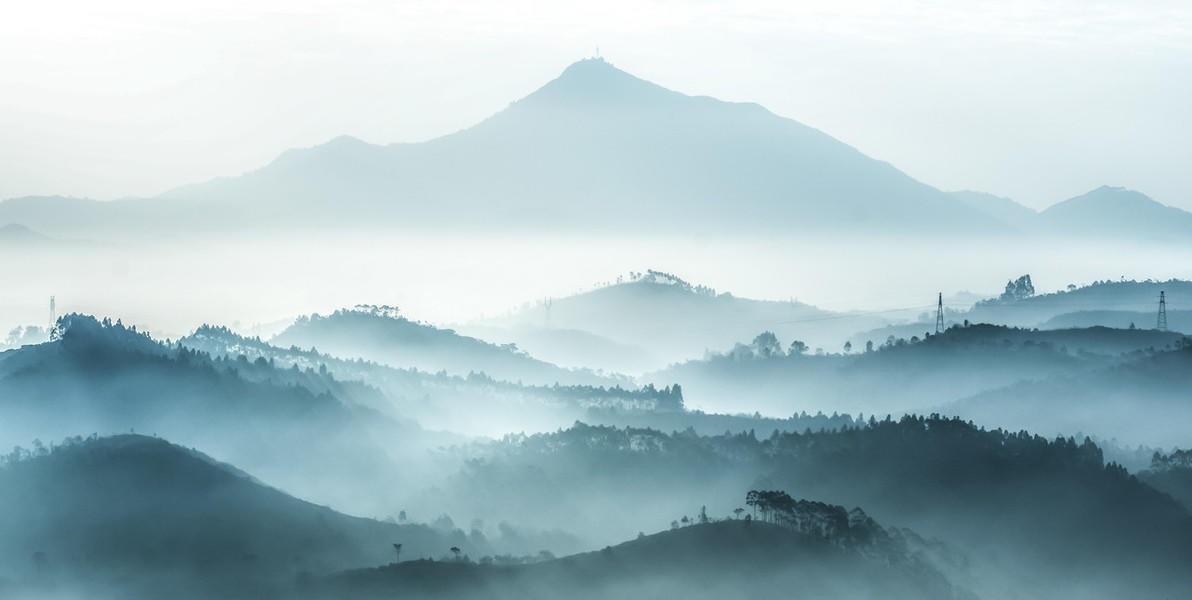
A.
x: 170, y: 287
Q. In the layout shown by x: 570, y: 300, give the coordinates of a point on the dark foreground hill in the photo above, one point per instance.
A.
x: 135, y: 516
x: 1036, y: 516
x: 728, y: 559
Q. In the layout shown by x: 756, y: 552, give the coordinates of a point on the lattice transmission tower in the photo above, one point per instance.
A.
x: 939, y: 315
x: 1161, y: 324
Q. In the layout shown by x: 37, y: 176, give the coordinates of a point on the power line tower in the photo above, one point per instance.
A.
x: 1161, y: 325
x: 939, y: 315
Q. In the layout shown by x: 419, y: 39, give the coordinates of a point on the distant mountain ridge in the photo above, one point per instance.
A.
x: 596, y: 146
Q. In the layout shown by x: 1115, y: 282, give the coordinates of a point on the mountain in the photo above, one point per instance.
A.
x: 376, y: 334
x: 1109, y: 213
x: 595, y: 148
x: 726, y: 559
x: 674, y: 320
x: 1005, y: 210
x: 136, y: 516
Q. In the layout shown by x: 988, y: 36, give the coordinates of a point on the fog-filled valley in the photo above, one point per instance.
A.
x: 612, y: 341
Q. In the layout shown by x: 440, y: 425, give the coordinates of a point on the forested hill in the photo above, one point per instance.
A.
x: 1042, y: 512
x: 136, y: 516
x: 895, y: 375
x: 300, y: 429
x: 476, y: 404
x: 1145, y: 400
x: 378, y: 334
x: 673, y: 319
x: 1027, y: 309
x: 708, y: 561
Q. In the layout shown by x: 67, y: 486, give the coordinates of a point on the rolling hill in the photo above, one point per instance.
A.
x: 136, y: 516
x: 673, y: 320
x: 726, y: 559
x: 1038, y: 518
x: 303, y: 430
x: 376, y: 335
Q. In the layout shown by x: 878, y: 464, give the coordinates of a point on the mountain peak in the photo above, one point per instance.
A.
x: 597, y: 81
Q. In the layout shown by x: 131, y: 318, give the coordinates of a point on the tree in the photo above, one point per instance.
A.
x: 798, y: 348
x: 397, y: 551
x: 766, y: 345
x: 685, y: 521
x: 401, y: 516
x: 455, y: 551
x: 737, y: 512
x: 869, y: 346
x: 703, y: 515
x: 848, y: 347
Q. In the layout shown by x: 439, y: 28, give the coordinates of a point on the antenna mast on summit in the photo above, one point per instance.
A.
x: 939, y: 315
x: 1161, y: 324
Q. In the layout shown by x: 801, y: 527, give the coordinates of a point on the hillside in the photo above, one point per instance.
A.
x: 596, y: 146
x: 475, y: 404
x: 706, y: 561
x: 300, y: 429
x: 1033, y: 310
x: 898, y: 374
x: 1034, y: 515
x: 674, y: 320
x: 1142, y: 401
x: 136, y: 516
x: 374, y: 334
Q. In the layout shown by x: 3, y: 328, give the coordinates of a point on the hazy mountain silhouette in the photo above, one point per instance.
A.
x: 899, y: 374
x: 389, y: 339
x: 1115, y: 213
x: 595, y: 148
x: 17, y: 234
x: 136, y: 516
x: 1005, y: 210
x: 1141, y: 401
x: 673, y: 319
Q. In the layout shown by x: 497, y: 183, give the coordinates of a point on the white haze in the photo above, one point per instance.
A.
x: 1035, y: 101
x: 171, y: 288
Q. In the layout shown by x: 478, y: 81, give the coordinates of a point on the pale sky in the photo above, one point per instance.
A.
x: 1038, y: 101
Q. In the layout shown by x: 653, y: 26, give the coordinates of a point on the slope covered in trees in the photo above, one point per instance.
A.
x: 380, y: 335
x: 674, y: 320
x: 301, y: 429
x: 135, y: 516
x: 1144, y: 400
x: 726, y: 559
x: 897, y: 374
x: 1042, y: 513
